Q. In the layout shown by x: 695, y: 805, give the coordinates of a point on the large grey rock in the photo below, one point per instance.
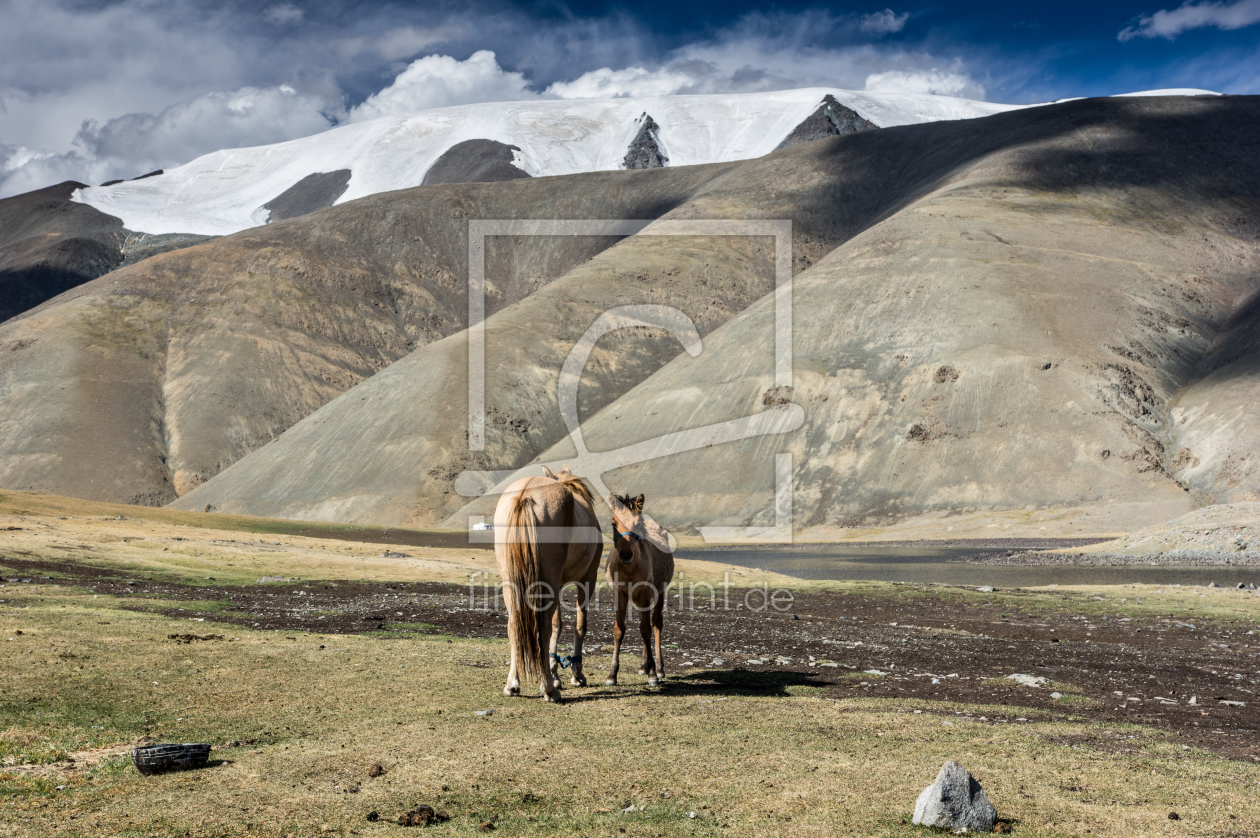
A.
x: 955, y: 800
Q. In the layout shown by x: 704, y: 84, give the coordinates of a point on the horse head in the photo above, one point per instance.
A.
x: 627, y: 527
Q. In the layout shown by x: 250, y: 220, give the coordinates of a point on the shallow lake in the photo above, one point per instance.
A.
x: 914, y: 563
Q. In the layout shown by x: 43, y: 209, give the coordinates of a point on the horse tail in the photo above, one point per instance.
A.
x: 523, y: 578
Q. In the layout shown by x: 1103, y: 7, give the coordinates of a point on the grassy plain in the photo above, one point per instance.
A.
x: 89, y: 674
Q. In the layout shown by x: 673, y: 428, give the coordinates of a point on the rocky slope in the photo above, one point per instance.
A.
x: 1027, y: 333
x: 990, y: 315
x: 49, y: 244
x: 143, y: 383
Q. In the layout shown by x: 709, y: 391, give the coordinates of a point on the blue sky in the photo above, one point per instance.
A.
x: 97, y: 89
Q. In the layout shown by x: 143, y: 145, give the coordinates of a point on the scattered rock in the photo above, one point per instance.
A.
x: 421, y: 816
x: 388, y: 554
x: 1003, y: 827
x: 373, y: 816
x: 985, y: 589
x: 1173, y: 816
x: 955, y: 800
x: 1056, y: 695
x: 376, y: 770
x: 265, y: 579
x: 483, y: 712
x: 189, y: 638
x: 1028, y: 680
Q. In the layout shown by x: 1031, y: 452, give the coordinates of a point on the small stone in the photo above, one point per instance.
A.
x: 985, y: 589
x: 376, y: 770
x: 955, y: 800
x: 1056, y: 695
x: 420, y: 816
x: 1173, y: 816
x: 1028, y: 680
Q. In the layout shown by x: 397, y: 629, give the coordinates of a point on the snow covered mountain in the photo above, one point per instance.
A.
x: 227, y: 191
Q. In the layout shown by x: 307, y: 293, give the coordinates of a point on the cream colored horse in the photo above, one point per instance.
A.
x: 546, y: 535
x: 640, y: 568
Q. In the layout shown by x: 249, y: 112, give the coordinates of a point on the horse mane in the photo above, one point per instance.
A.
x: 579, y: 487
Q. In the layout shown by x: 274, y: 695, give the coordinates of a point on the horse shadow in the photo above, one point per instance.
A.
x: 713, y: 682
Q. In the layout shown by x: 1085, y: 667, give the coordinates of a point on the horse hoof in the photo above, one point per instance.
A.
x: 643, y: 670
x: 555, y: 698
x: 578, y: 682
x: 510, y: 691
x: 611, y: 682
x: 652, y: 682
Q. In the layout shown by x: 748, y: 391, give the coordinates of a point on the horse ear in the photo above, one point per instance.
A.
x: 638, y: 503
x: 613, y: 503
x: 565, y: 471
x: 547, y: 473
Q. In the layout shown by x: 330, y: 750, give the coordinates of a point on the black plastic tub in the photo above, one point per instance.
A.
x: 158, y: 759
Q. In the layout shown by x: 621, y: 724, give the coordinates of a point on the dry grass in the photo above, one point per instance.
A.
x: 86, y: 677
x: 191, y: 546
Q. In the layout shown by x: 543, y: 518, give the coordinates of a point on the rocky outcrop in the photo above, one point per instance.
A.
x: 645, y: 150
x: 310, y: 194
x: 476, y: 161
x: 140, y: 246
x: 832, y: 119
x: 50, y: 244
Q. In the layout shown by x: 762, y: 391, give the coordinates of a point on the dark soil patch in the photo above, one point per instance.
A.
x: 937, y: 646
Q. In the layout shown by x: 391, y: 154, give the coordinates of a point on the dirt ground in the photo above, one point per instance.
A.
x: 1113, y: 659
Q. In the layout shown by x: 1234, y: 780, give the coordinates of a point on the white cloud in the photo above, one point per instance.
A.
x: 136, y: 143
x: 632, y: 81
x: 437, y: 81
x: 282, y: 14
x: 1170, y: 24
x: 931, y: 81
x: 884, y: 23
x: 100, y: 89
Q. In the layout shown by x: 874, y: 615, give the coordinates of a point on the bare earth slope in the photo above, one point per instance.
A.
x: 140, y: 385
x: 1015, y: 301
x: 49, y: 244
x: 1014, y: 340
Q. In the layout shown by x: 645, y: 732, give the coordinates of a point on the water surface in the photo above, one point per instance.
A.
x: 915, y: 562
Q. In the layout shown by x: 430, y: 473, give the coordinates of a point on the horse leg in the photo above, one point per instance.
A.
x: 557, y: 626
x: 645, y: 629
x: 658, y: 622
x: 619, y: 630
x: 513, y: 686
x: 547, y: 687
x: 579, y: 632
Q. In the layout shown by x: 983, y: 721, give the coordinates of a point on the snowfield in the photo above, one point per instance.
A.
x: 224, y: 192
